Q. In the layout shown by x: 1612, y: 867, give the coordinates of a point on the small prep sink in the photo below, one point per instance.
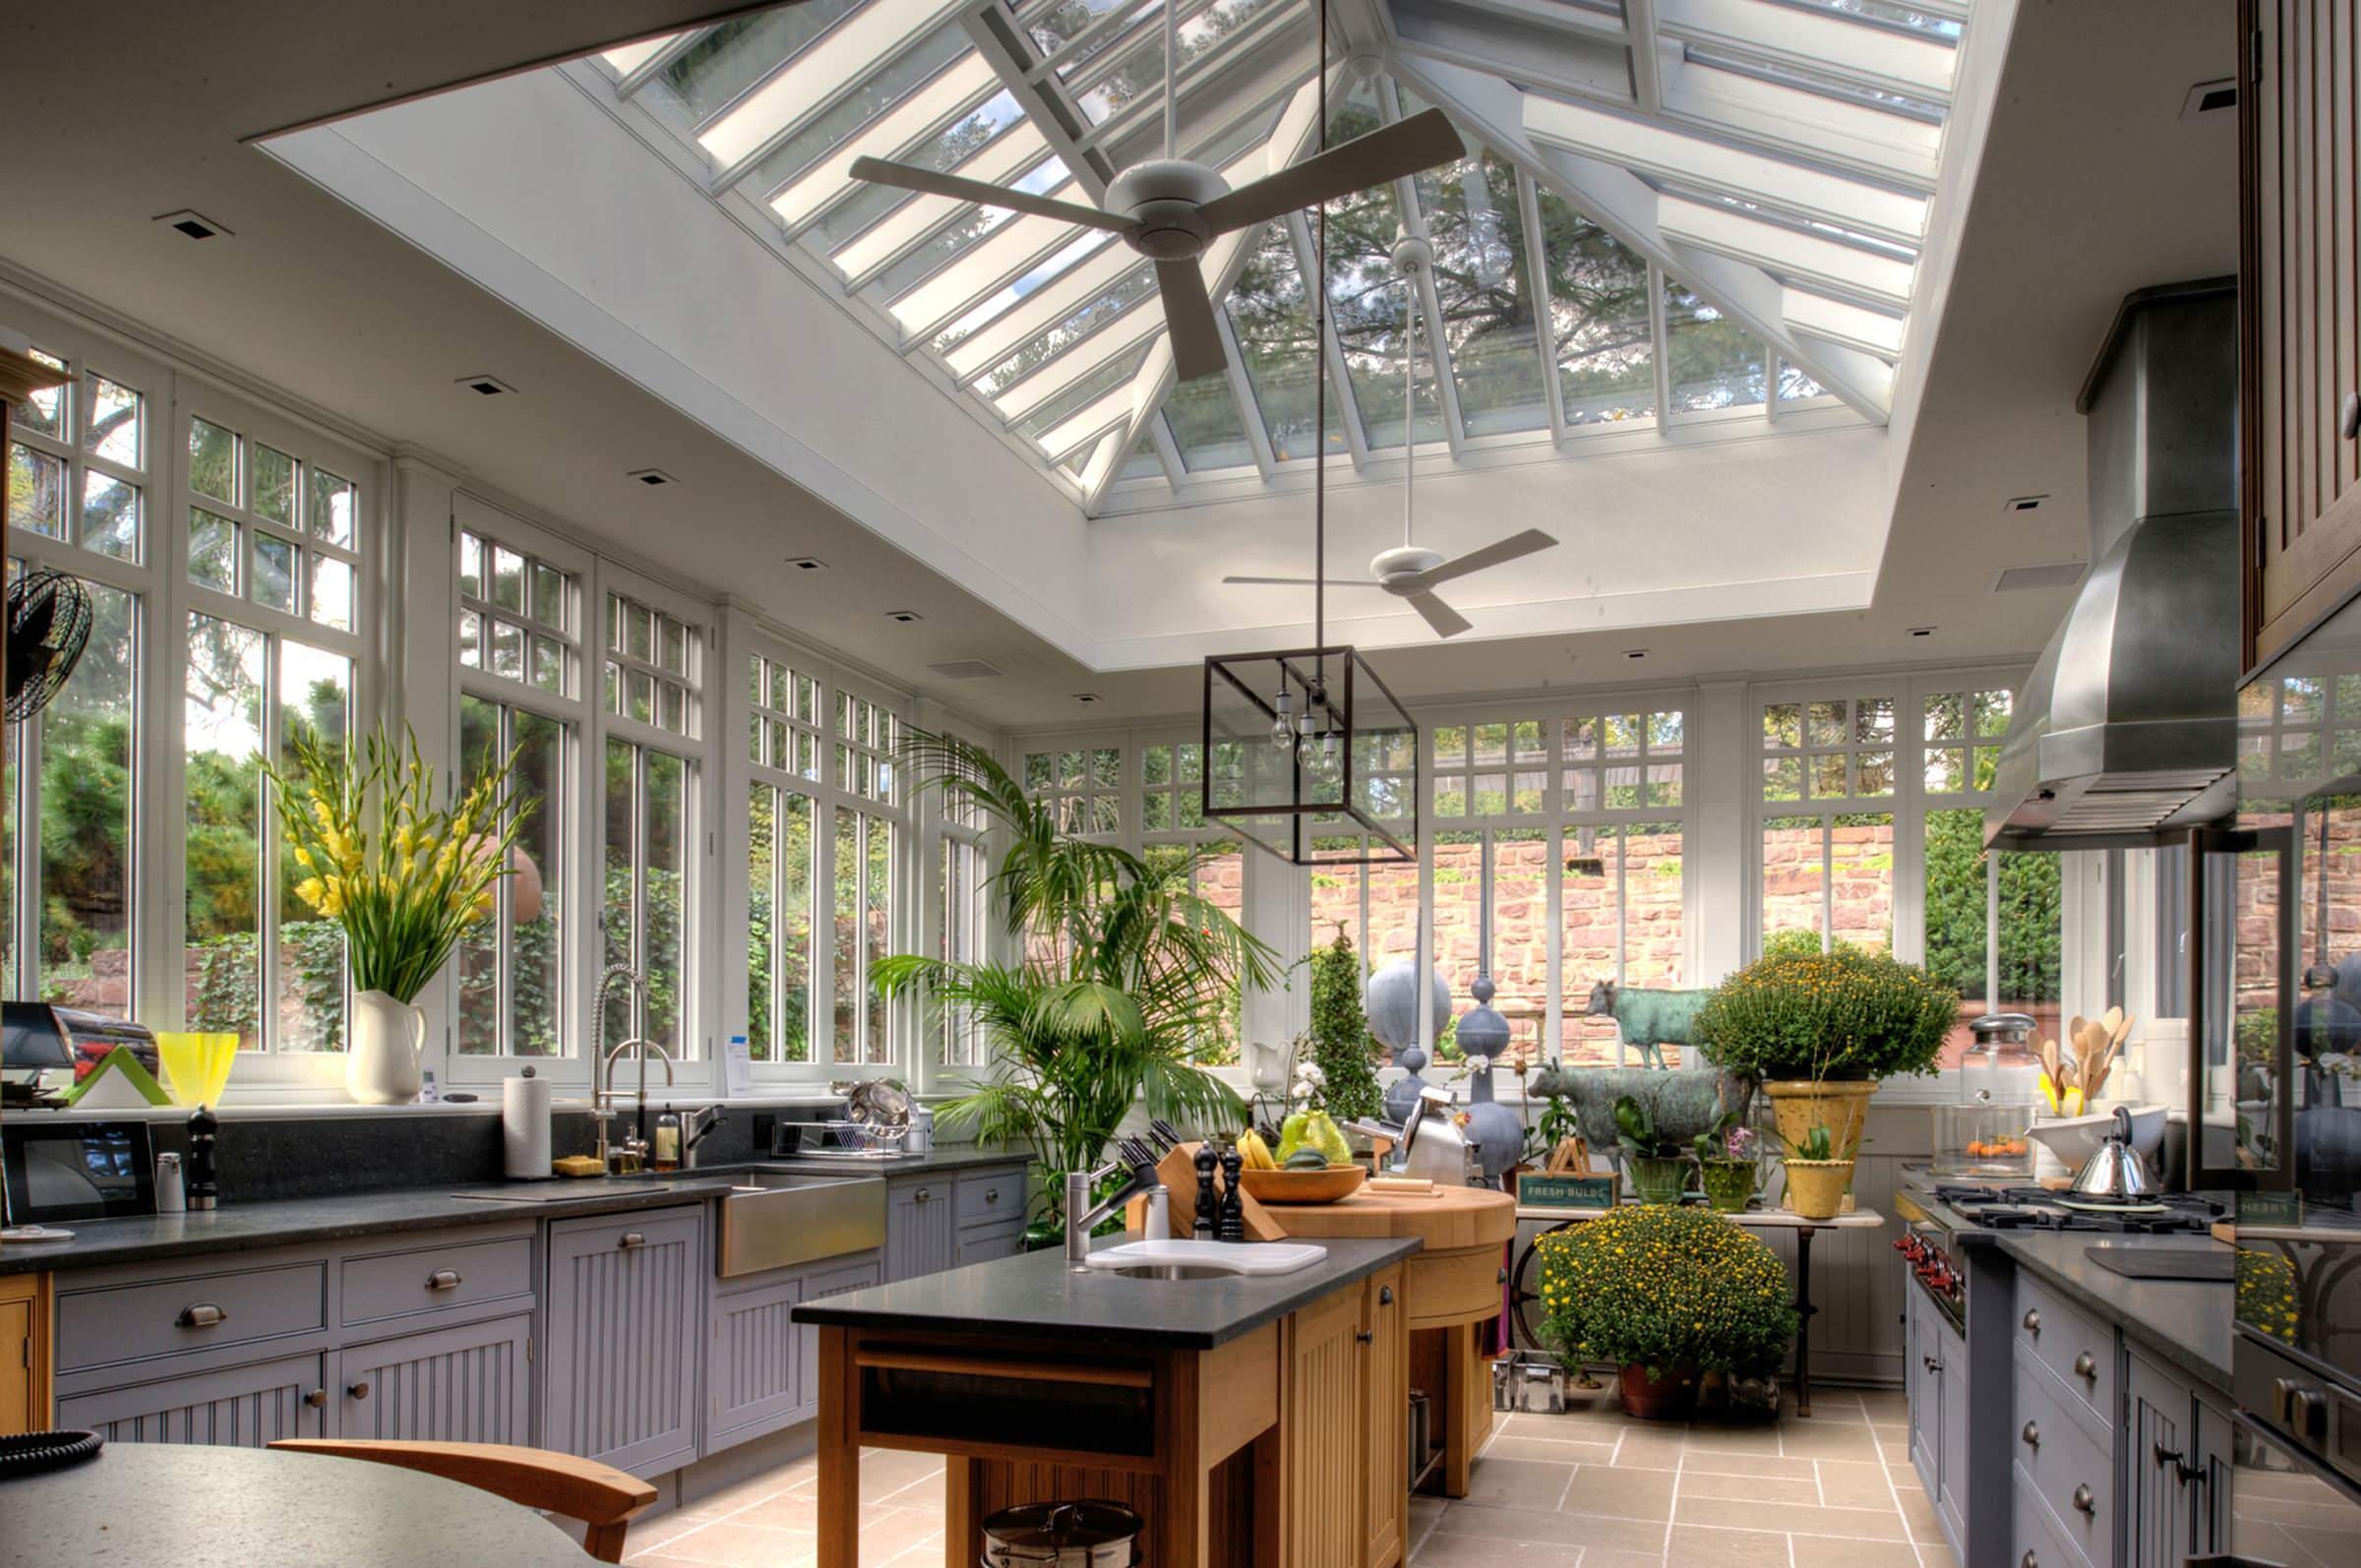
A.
x: 1203, y: 1260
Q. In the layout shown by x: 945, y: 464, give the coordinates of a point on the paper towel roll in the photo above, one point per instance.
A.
x: 524, y: 1127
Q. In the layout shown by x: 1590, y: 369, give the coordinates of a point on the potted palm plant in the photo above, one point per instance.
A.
x: 1124, y: 980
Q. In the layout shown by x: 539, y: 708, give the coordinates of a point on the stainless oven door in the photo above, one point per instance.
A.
x: 2282, y: 1509
x: 2243, y: 899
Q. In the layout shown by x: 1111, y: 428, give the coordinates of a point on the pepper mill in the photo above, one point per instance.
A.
x: 204, y: 1184
x: 1233, y: 1226
x: 1208, y: 1206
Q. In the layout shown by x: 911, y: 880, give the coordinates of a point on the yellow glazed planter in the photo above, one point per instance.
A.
x: 1816, y: 1188
x: 1842, y: 1106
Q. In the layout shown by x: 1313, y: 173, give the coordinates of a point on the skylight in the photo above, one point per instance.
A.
x: 1701, y: 215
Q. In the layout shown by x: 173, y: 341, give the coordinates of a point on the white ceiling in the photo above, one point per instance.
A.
x: 2090, y: 185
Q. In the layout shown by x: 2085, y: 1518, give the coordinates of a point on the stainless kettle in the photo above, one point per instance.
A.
x: 1433, y: 1144
x: 2116, y: 1173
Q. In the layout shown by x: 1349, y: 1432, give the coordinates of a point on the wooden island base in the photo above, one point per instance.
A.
x: 1283, y: 1447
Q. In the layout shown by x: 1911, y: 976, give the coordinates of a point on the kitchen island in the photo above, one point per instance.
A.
x: 1247, y: 1420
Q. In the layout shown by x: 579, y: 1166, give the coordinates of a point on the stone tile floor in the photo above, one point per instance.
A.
x: 1590, y: 1489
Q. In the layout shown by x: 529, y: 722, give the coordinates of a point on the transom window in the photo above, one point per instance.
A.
x: 1963, y: 731
x: 1172, y: 788
x: 1497, y: 768
x: 866, y: 737
x: 784, y: 732
x: 1082, y: 785
x: 78, y: 463
x: 517, y: 616
x: 270, y: 528
x: 1830, y: 749
x: 653, y: 671
x: 1621, y: 761
x: 2299, y: 730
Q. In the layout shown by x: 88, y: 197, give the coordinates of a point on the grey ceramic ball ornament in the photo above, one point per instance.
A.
x: 1390, y: 1001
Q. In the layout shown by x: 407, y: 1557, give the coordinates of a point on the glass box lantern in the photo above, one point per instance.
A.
x: 1309, y: 756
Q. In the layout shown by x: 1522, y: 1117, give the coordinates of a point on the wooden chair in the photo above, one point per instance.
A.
x: 605, y: 1500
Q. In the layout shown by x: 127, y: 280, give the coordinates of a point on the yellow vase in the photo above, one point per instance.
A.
x: 196, y: 1065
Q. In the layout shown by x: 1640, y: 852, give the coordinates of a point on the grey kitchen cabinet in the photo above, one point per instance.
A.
x: 756, y: 1379
x: 1951, y: 1375
x: 2176, y: 1469
x: 237, y: 1407
x: 470, y: 1384
x: 921, y: 1226
x: 619, y: 1368
x: 982, y: 1243
x: 835, y: 1276
x: 1923, y: 1387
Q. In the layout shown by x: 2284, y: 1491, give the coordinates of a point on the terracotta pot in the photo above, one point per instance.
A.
x: 1842, y: 1106
x: 1816, y: 1188
x: 1669, y: 1398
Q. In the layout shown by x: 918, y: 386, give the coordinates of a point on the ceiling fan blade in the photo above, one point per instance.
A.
x: 877, y: 171
x: 1188, y: 317
x: 1422, y: 142
x: 1447, y: 621
x: 1306, y: 582
x: 1516, y: 545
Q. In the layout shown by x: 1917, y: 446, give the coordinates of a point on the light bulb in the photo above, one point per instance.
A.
x: 1283, y: 734
x: 1307, y: 743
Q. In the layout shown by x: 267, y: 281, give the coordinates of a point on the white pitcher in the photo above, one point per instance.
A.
x: 382, y: 1060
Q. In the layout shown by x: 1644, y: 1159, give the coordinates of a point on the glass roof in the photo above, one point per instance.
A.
x: 1759, y: 150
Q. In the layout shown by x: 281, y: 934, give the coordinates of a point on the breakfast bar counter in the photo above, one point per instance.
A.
x: 1233, y: 1414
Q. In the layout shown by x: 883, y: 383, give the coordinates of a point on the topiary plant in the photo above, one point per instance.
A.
x: 1666, y: 1289
x: 1339, y: 1032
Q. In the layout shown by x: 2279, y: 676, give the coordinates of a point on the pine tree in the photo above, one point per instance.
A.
x: 1339, y: 1032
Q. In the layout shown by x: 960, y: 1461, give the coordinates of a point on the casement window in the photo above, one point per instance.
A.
x: 784, y: 746
x: 275, y: 550
x: 1828, y: 768
x: 655, y: 660
x: 522, y: 601
x: 1620, y: 864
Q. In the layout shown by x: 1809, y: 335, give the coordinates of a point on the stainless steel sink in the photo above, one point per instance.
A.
x: 1171, y: 1271
x: 772, y: 1218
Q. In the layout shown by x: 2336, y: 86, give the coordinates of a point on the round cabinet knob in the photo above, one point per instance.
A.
x: 2033, y: 1325
x: 2083, y: 1502
x: 992, y: 1194
x: 2349, y: 417
x: 2029, y: 1560
x: 2085, y: 1367
x: 1385, y: 1296
x: 1366, y: 1337
x: 359, y: 1390
x: 317, y: 1398
x: 2031, y: 1435
x: 922, y: 1195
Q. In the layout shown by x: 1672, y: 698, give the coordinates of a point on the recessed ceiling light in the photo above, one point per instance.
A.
x: 1923, y: 631
x: 2207, y: 97
x: 195, y: 225
x: 2025, y: 503
x: 1086, y: 698
x: 651, y: 477
x: 1635, y: 653
x: 903, y: 617
x: 486, y: 386
x: 807, y: 563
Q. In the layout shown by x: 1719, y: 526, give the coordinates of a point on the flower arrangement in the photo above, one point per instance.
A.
x: 2266, y: 1292
x: 1666, y: 1289
x: 405, y: 879
x: 1845, y: 1014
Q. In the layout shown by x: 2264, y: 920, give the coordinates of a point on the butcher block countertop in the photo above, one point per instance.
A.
x: 1451, y: 1219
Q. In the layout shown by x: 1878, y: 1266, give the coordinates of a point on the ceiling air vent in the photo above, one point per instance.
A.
x: 2209, y: 97
x: 2018, y: 580
x: 195, y: 225
x: 966, y: 670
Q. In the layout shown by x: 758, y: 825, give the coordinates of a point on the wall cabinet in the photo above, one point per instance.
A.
x: 2299, y: 287
x: 619, y: 1368
x: 470, y: 1384
x: 25, y: 1356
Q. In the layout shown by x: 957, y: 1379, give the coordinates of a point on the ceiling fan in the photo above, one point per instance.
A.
x: 1171, y: 208
x: 1413, y: 571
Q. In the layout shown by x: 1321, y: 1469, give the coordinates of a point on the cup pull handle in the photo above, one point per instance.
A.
x: 632, y: 1239
x: 205, y: 1315
x: 443, y: 1280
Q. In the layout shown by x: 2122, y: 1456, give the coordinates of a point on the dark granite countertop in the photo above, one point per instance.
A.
x: 2187, y: 1322
x: 950, y: 1161
x: 245, y: 1227
x: 1034, y: 1293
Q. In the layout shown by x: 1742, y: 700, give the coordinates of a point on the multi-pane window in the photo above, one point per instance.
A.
x: 1172, y: 779
x: 519, y: 616
x: 863, y: 870
x: 78, y: 463
x: 1083, y: 786
x: 1492, y: 769
x: 866, y: 737
x: 1828, y: 773
x: 652, y: 666
x: 270, y: 528
x: 649, y: 799
x: 784, y: 744
x: 1374, y: 906
x: 1621, y: 916
x: 511, y: 968
x: 273, y: 546
x: 963, y: 908
x: 2298, y: 732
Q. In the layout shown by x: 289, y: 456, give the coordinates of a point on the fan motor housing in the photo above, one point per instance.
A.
x: 1399, y: 566
x: 1165, y: 198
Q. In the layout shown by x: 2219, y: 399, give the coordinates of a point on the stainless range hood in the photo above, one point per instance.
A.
x: 2128, y: 730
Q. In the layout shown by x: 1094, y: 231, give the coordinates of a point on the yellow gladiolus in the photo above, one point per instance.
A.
x: 310, y: 890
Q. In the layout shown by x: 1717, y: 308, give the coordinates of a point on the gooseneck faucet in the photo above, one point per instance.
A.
x: 1082, y: 1218
x: 636, y: 1144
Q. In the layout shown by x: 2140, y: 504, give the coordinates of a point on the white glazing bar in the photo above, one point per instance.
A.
x: 1103, y: 414
x: 1799, y: 123
x: 1888, y: 58
x: 1656, y: 151
x: 1005, y: 253
x: 1301, y: 231
x: 1536, y: 278
x: 1854, y: 325
x: 847, y: 50
x: 1039, y: 311
x: 1000, y: 161
x: 632, y: 56
x: 1117, y: 338
x: 951, y: 93
x: 1789, y: 252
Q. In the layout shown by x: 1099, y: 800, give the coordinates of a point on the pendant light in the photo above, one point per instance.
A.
x: 1306, y: 747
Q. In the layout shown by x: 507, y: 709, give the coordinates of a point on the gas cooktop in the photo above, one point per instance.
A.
x: 2027, y: 1208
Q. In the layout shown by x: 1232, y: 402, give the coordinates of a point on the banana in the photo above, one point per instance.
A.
x: 1255, y: 1151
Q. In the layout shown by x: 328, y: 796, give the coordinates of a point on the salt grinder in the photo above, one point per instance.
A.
x: 204, y: 1183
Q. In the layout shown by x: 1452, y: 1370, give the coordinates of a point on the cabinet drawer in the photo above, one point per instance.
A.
x: 392, y: 1284
x: 980, y: 1243
x: 2066, y: 1465
x: 2071, y: 1343
x: 195, y: 1313
x: 1456, y: 1287
x: 2035, y: 1539
x: 992, y: 1197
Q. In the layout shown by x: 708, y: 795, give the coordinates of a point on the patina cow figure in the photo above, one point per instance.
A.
x: 1648, y: 1020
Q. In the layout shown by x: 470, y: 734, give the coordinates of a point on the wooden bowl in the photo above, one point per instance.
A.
x: 1303, y: 1186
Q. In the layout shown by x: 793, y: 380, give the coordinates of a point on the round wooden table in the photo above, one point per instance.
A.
x: 145, y: 1503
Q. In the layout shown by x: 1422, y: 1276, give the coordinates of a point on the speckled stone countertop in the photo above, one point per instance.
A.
x: 2186, y: 1323
x: 244, y: 1227
x: 950, y: 1161
x: 1036, y: 1294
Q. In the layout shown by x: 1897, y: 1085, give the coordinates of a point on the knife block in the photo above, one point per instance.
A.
x: 1178, y: 1171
